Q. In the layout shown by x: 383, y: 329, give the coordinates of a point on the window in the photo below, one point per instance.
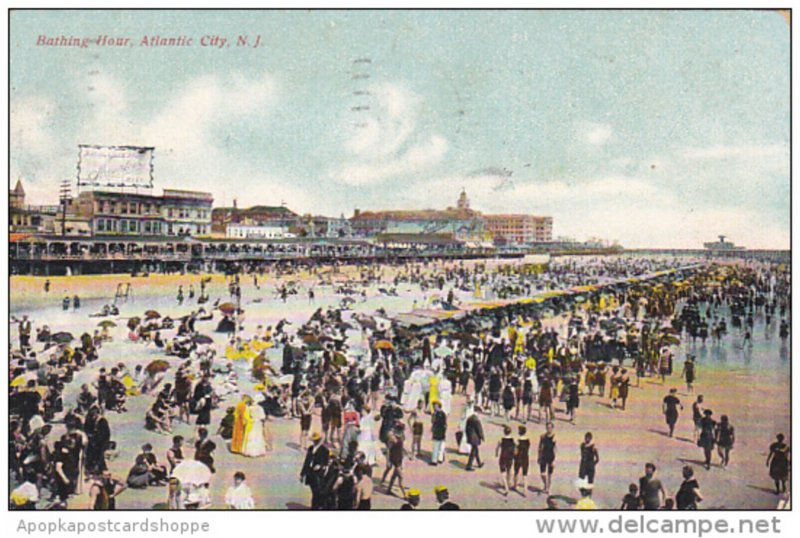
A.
x: 101, y: 225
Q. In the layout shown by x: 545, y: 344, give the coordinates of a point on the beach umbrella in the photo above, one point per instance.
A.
x: 157, y: 366
x: 62, y: 337
x: 384, y: 344
x: 192, y: 472
x: 227, y: 308
x: 19, y: 381
x: 202, y: 339
x: 106, y: 323
x: 151, y: 314
x: 133, y: 322
x: 339, y: 359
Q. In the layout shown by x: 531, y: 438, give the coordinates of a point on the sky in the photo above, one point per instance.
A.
x: 651, y: 128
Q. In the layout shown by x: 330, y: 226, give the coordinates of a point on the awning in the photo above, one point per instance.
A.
x: 24, y: 238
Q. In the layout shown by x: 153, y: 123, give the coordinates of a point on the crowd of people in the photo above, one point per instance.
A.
x: 379, y: 386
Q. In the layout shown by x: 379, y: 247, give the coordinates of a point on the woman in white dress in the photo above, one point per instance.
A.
x: 445, y: 393
x: 469, y: 410
x: 366, y: 437
x: 254, y: 444
x: 413, y: 390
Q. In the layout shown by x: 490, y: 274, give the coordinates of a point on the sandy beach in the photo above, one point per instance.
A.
x: 751, y: 386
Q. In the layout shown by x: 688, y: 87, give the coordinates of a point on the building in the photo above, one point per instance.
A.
x: 721, y: 245
x: 461, y: 222
x: 339, y: 228
x: 186, y: 213
x: 520, y: 229
x: 174, y: 213
x: 222, y: 217
x: 24, y: 218
x: 262, y: 231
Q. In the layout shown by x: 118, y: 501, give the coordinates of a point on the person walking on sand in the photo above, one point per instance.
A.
x: 546, y: 400
x: 689, y: 373
x: 589, y: 459
x: 314, y: 467
x: 624, y: 387
x: 394, y: 459
x: 725, y: 439
x: 697, y: 415
x: 670, y: 409
x: 708, y: 428
x: 546, y: 457
x: 305, y: 407
x: 439, y: 433
x: 778, y: 463
x: 573, y: 399
x: 505, y: 451
x: 474, y: 433
x: 522, y: 459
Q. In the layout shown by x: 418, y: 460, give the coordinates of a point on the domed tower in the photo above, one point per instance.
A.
x: 463, y: 201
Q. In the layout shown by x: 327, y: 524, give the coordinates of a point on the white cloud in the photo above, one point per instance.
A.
x: 185, y: 131
x: 385, y: 143
x: 417, y: 159
x: 596, y: 134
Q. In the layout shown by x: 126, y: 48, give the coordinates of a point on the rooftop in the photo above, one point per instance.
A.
x: 417, y: 214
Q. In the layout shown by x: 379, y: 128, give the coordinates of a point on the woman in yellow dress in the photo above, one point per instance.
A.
x: 433, y: 394
x: 241, y: 425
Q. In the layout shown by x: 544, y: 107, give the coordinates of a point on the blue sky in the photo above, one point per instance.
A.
x: 654, y: 128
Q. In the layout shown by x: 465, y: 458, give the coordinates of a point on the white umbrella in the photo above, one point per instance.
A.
x: 192, y: 472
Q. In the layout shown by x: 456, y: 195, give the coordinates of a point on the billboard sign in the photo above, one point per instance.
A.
x: 115, y: 166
